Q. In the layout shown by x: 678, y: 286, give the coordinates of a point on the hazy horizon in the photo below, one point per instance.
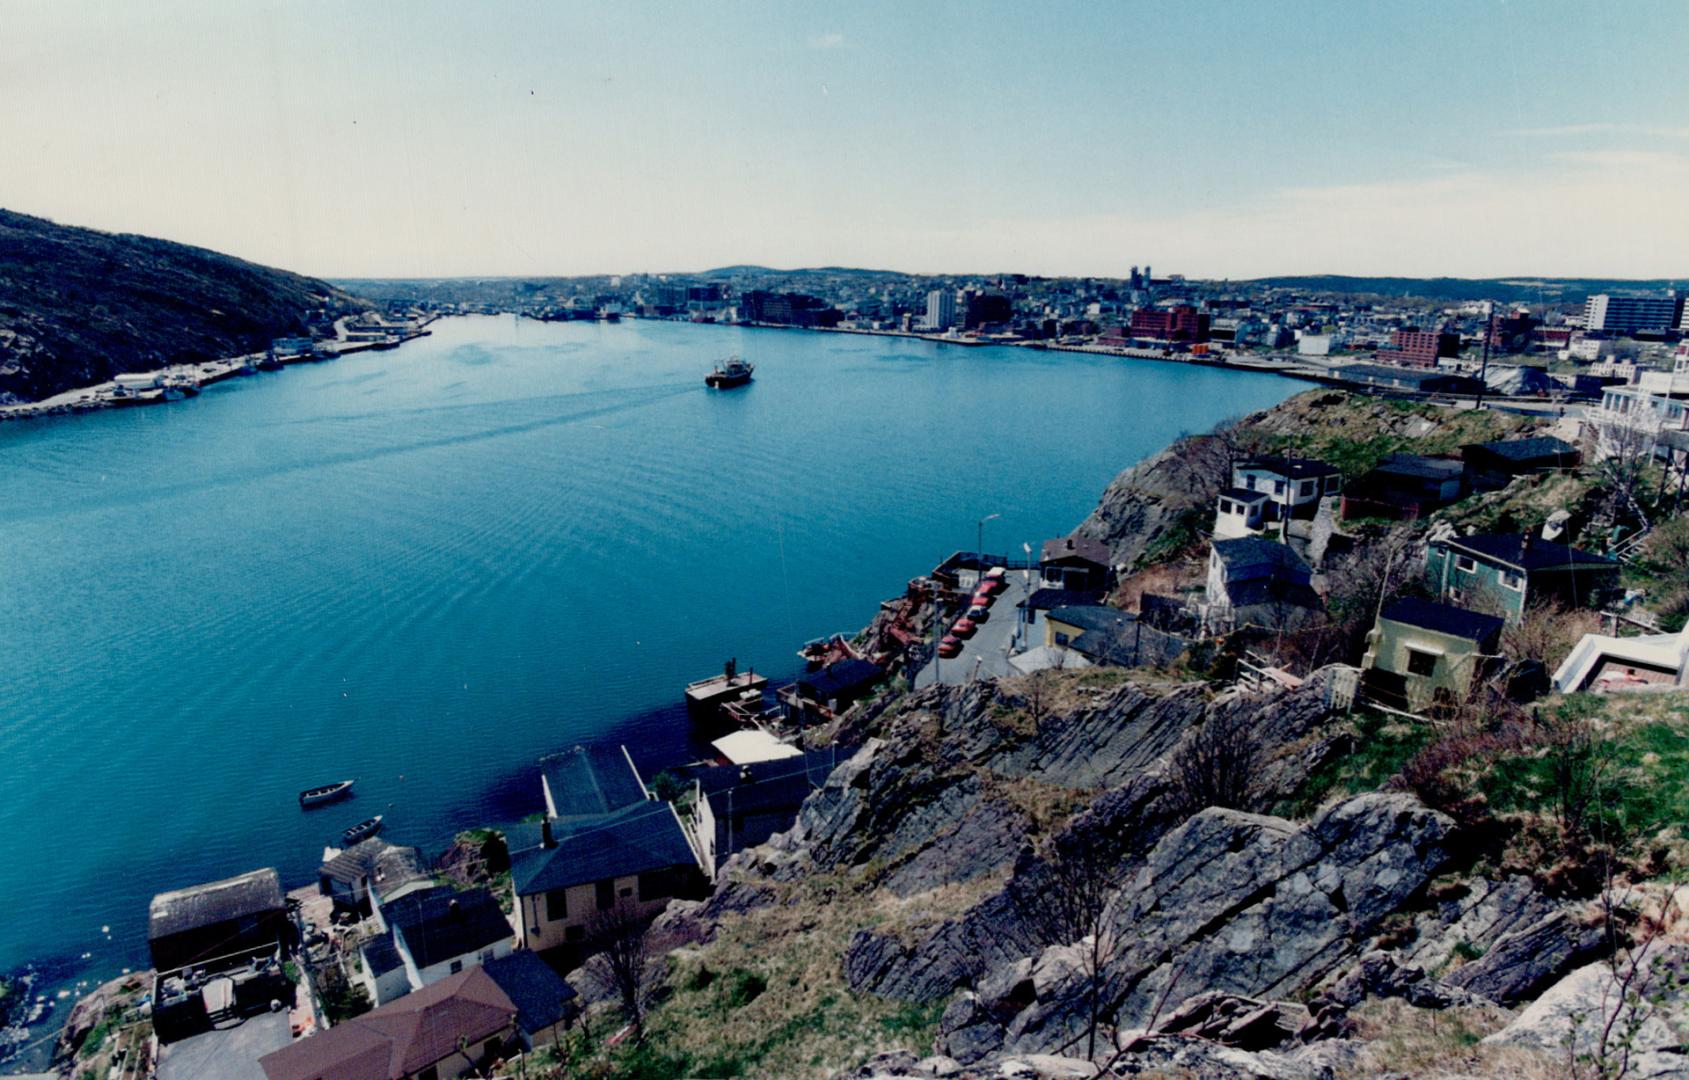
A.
x: 1219, y: 141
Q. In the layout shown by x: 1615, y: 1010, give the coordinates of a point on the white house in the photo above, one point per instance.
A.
x: 1294, y: 485
x: 1600, y: 662
x: 1240, y: 512
x: 430, y: 934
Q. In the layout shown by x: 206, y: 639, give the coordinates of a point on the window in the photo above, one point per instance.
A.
x: 1513, y: 581
x: 556, y: 905
x: 1332, y: 483
x: 457, y: 966
x: 1421, y: 663
x: 606, y: 894
x: 1465, y: 564
x: 430, y: 1073
x: 1307, y: 488
x: 1278, y: 487
x: 488, y: 955
x: 1061, y: 638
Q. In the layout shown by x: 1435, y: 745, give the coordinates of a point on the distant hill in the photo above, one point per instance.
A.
x: 79, y: 306
x: 1513, y: 290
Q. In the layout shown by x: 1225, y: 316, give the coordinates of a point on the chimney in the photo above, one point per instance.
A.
x: 731, y: 668
x: 1070, y: 543
x: 454, y: 909
x: 546, y: 839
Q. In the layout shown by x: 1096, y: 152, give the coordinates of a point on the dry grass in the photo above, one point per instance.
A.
x: 1427, y: 1044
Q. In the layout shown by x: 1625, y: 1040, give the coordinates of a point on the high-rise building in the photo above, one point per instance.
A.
x: 941, y: 309
x: 1612, y: 314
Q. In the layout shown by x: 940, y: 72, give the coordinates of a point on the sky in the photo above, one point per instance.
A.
x: 1241, y: 139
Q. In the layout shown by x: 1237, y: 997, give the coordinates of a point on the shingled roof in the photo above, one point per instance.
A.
x: 180, y: 910
x: 401, y: 1038
x: 640, y: 838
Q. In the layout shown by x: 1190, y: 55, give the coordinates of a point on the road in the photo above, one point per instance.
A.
x: 986, y: 654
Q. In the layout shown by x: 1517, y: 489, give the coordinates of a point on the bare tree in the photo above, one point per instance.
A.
x: 624, y: 958
x: 1362, y: 582
x: 1546, y: 632
x: 1623, y: 450
x: 1217, y: 763
x: 1066, y: 901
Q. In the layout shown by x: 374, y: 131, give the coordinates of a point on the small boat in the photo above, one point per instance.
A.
x: 729, y: 373
x: 363, y: 830
x: 317, y: 796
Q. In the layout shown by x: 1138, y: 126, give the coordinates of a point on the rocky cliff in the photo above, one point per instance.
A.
x: 79, y: 306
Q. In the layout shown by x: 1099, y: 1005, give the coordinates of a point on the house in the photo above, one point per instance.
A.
x: 235, y: 916
x: 1240, y: 512
x: 736, y: 807
x: 457, y: 1026
x: 353, y: 876
x: 545, y: 1004
x: 1073, y: 562
x: 1252, y: 581
x: 589, y: 781
x: 1294, y: 486
x: 819, y: 695
x: 638, y: 855
x: 433, y: 933
x: 1404, y: 487
x: 1491, y: 466
x: 1110, y: 636
x: 1602, y: 663
x: 1516, y: 571
x: 1420, y: 652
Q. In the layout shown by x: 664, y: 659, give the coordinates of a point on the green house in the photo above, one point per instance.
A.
x: 1517, y: 571
x: 1421, y: 652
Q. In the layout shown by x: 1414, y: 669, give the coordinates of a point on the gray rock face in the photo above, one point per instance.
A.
x: 1600, y: 1019
x: 1149, y: 500
x: 1382, y: 975
x: 1523, y: 963
x: 1246, y: 904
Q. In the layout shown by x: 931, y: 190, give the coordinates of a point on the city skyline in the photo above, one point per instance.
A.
x: 1214, y: 140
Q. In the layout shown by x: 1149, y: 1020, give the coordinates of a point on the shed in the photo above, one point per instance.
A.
x: 220, y: 918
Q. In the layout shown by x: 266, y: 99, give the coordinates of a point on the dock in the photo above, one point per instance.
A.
x: 706, y: 697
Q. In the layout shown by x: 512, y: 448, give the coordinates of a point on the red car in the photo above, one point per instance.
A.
x: 949, y: 646
x: 963, y: 628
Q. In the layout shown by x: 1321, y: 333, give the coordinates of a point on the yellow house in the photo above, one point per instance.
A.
x: 638, y: 856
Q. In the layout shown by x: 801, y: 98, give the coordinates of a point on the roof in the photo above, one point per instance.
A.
x: 380, y: 954
x: 632, y: 840
x: 541, y: 996
x: 590, y: 780
x: 839, y: 678
x: 1443, y: 618
x: 1048, y: 599
x: 1254, y: 551
x: 375, y: 859
x: 1292, y: 468
x: 1245, y: 594
x: 1524, y: 552
x: 1400, y: 375
x: 402, y: 1037
x: 1416, y: 465
x: 1063, y: 548
x: 1244, y: 495
x: 1525, y: 451
x: 751, y: 746
x: 786, y: 782
x: 252, y: 893
x: 1092, y: 617
x: 441, y: 923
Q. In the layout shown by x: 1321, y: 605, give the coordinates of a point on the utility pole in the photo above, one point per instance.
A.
x: 1484, y: 371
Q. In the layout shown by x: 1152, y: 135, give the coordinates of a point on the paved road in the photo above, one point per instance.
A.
x: 986, y: 654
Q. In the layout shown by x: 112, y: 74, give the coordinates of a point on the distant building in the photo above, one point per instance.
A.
x: 1612, y: 314
x: 1294, y: 485
x: 1074, y: 563
x: 1407, y: 380
x: 1491, y: 466
x: 1404, y: 487
x: 1253, y: 581
x: 985, y: 309
x: 941, y: 310
x: 787, y: 309
x: 1514, y: 332
x: 1419, y: 348
x: 1175, y: 325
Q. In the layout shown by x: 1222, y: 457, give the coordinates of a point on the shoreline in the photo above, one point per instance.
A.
x: 177, y: 382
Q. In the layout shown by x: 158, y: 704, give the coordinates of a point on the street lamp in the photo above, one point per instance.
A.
x: 979, y: 539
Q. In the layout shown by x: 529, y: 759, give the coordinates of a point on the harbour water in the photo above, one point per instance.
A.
x: 426, y: 568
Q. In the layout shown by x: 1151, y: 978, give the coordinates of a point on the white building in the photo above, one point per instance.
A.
x: 1629, y: 314
x: 941, y: 309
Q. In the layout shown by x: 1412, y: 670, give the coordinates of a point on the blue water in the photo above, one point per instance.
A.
x: 425, y: 568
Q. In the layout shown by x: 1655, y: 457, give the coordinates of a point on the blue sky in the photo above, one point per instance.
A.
x: 1216, y: 139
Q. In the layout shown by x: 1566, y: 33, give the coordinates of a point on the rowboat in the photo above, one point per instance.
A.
x: 363, y: 830
x: 328, y: 793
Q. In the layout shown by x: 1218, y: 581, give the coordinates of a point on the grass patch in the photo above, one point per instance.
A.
x: 1382, y: 745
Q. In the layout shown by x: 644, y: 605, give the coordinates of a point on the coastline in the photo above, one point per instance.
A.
x: 177, y: 382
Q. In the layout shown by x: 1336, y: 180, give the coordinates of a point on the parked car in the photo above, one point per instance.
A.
x: 949, y: 646
x: 963, y: 628
x: 979, y: 613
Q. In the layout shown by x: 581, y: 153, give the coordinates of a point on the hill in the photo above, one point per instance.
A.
x: 1512, y: 290
x: 78, y: 306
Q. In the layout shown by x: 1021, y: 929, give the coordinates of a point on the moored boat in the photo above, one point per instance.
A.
x: 729, y: 373
x: 327, y: 793
x: 363, y: 830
